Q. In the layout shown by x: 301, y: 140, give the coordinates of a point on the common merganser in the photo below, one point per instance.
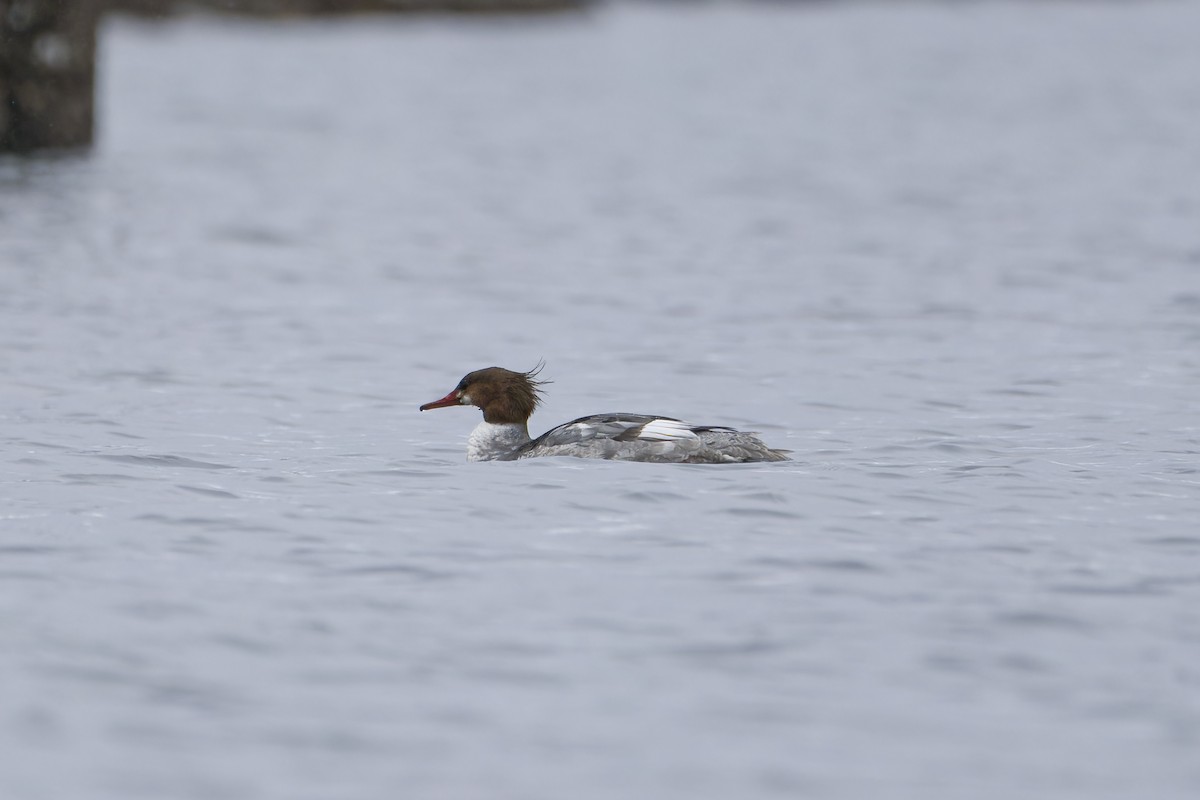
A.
x: 509, y: 398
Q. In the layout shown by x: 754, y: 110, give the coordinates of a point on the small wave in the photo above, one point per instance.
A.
x: 163, y: 461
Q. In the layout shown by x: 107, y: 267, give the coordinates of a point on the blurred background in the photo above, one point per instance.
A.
x: 945, y: 252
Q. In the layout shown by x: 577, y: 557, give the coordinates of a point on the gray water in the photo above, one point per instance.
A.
x: 948, y: 254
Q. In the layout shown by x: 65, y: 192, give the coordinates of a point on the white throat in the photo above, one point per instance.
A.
x: 489, y: 440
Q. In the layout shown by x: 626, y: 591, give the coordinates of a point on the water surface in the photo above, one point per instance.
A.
x: 946, y: 254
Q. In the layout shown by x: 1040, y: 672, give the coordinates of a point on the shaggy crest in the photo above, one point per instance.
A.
x: 503, y: 395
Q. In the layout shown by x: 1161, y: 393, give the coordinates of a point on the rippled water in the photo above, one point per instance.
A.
x: 947, y: 255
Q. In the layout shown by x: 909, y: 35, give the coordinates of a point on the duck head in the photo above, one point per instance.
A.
x: 504, y: 396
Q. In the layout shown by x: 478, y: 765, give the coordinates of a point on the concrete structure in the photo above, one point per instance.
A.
x: 47, y: 73
x: 48, y: 53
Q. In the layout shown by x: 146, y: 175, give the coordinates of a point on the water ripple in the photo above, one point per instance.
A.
x: 167, y: 461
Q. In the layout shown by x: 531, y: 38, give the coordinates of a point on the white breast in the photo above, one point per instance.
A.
x: 489, y: 441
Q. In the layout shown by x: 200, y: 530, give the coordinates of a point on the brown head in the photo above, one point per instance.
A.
x: 503, y: 395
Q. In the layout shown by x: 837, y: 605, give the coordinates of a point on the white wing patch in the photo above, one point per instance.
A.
x: 666, y: 430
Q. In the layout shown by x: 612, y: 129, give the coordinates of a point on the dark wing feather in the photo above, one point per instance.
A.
x: 660, y: 439
x: 618, y: 426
